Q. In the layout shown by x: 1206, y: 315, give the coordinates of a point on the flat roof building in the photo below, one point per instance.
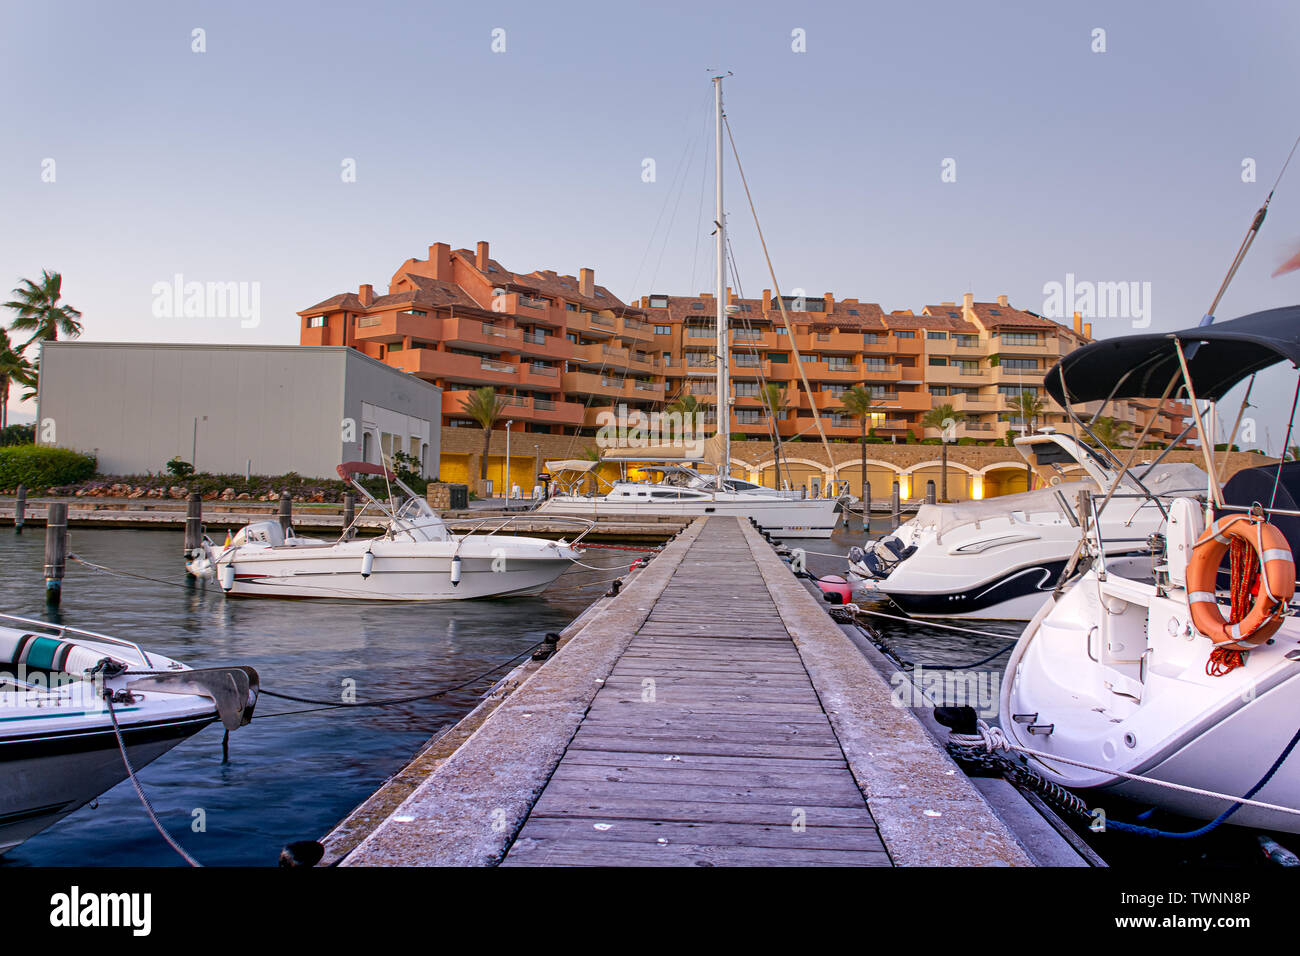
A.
x: 228, y: 409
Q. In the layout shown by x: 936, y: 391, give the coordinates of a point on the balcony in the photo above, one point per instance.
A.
x: 534, y: 410
x: 849, y: 343
x: 395, y: 326
x: 470, y: 369
x: 957, y: 375
x: 637, y: 330
x: 592, y: 323
x: 540, y: 377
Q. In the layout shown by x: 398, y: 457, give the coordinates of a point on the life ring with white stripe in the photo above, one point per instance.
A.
x: 1276, y: 581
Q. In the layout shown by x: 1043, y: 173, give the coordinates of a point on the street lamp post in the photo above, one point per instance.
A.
x: 506, y: 478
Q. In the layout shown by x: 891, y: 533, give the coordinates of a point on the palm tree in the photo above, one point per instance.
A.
x: 859, y: 403
x: 942, y: 417
x: 37, y: 310
x: 1029, y: 407
x: 1111, y: 432
x: 14, y: 369
x: 484, y: 407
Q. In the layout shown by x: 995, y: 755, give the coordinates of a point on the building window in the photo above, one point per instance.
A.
x: 967, y: 341
x: 1020, y: 365
x: 658, y: 301
x: 778, y: 357
x: 698, y: 306
x: 746, y: 390
x: 853, y: 311
x: 939, y: 390
x: 1011, y: 391
x: 663, y: 330
x: 938, y: 360
x: 1019, y: 338
x: 904, y: 334
x: 936, y: 335
x: 412, y: 312
x: 871, y: 338
x: 317, y: 322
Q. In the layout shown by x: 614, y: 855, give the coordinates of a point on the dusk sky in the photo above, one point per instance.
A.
x: 228, y: 165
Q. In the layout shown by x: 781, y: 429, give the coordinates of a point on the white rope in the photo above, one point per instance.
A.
x: 994, y: 740
x: 856, y: 609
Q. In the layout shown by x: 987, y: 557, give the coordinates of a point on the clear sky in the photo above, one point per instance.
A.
x: 226, y: 165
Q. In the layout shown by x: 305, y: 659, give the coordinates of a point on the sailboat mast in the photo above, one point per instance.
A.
x: 724, y: 346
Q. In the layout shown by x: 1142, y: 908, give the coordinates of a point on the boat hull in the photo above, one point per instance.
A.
x: 397, y: 571
x: 50, y: 774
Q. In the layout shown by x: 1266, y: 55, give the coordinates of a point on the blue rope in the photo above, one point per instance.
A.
x: 1213, y: 824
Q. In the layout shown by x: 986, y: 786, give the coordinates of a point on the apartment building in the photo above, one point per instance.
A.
x: 977, y: 357
x: 557, y: 348
x: 560, y: 349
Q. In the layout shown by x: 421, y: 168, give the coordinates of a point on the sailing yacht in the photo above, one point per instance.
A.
x: 1144, y: 671
x: 692, y: 493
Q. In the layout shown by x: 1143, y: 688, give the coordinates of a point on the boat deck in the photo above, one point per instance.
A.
x: 711, y: 714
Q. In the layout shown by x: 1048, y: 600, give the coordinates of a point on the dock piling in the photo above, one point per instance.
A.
x: 20, y: 509
x: 56, y: 550
x: 286, y: 510
x: 929, y: 492
x: 349, y: 514
x: 193, y: 527
x: 895, y: 506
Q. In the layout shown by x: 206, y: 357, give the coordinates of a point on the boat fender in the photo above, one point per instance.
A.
x: 227, y: 577
x: 1276, y: 581
x: 835, y: 590
x: 455, y: 570
x: 367, y: 564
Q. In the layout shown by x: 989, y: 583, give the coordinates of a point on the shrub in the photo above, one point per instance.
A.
x: 179, y: 468
x: 17, y: 435
x: 40, y: 466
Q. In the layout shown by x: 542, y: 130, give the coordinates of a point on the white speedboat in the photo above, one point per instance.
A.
x: 58, y: 746
x: 998, y: 558
x: 417, y: 558
x: 1137, y: 671
x: 679, y: 490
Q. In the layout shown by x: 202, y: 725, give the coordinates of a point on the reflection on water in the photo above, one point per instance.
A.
x: 292, y: 777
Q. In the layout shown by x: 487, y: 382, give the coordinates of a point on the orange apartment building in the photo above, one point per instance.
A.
x: 559, y: 349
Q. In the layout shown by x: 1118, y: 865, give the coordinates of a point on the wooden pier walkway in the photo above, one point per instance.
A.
x: 711, y: 714
x: 706, y: 743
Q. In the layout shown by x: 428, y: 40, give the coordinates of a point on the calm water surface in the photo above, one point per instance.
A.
x: 288, y: 778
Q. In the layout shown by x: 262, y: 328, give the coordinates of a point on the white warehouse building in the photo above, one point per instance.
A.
x: 232, y: 409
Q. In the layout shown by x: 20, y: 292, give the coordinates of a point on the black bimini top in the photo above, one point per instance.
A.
x: 1141, y: 366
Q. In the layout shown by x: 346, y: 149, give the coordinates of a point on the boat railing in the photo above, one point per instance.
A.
x: 532, y: 516
x: 63, y: 631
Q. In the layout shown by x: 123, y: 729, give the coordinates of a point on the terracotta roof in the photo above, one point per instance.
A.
x: 336, y: 303
x: 704, y: 309
x: 946, y: 319
x: 552, y: 285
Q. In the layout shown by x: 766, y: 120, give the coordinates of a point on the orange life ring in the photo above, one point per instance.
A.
x: 1276, y: 581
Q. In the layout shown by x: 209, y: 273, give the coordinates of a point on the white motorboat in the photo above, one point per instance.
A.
x: 1136, y: 671
x: 679, y: 490
x: 58, y: 746
x: 417, y: 558
x: 998, y: 558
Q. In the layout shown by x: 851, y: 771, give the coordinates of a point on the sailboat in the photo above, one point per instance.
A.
x: 690, y: 492
x: 1135, y: 680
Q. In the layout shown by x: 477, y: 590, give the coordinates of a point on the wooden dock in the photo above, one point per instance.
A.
x: 222, y: 516
x: 711, y: 714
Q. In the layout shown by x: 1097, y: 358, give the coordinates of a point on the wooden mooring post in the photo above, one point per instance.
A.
x: 895, y: 505
x: 349, y: 514
x: 286, y: 511
x: 56, y: 550
x: 20, y: 509
x: 193, y: 529
x: 929, y: 492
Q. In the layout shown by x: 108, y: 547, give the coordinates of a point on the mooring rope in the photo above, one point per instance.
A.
x: 139, y: 790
